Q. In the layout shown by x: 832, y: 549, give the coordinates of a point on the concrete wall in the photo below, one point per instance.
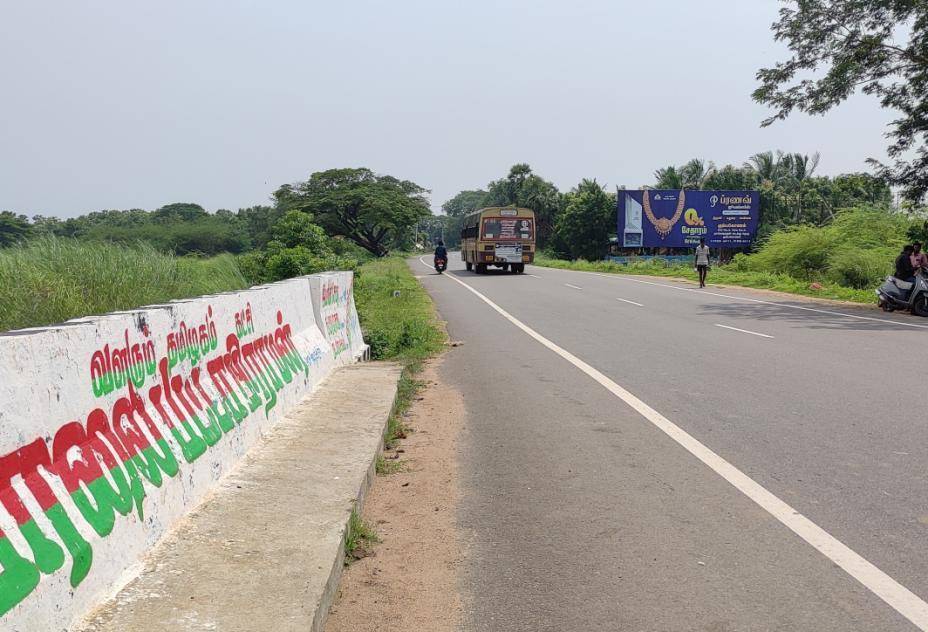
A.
x: 113, y: 427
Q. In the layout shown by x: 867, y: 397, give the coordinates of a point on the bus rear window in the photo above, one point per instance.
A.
x: 503, y: 228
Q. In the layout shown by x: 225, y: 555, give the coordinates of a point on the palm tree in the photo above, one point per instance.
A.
x: 695, y: 173
x: 668, y: 178
x: 800, y: 168
x: 769, y: 166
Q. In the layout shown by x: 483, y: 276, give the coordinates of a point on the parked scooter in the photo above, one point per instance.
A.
x: 895, y: 294
x: 441, y: 265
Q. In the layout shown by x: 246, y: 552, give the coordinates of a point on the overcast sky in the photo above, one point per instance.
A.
x: 135, y: 104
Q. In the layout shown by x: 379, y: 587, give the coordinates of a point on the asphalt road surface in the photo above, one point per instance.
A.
x: 643, y: 455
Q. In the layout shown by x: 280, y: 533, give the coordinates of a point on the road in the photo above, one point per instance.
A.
x: 643, y: 455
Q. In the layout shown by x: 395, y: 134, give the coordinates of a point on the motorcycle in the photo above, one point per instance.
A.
x: 896, y: 294
x: 441, y: 265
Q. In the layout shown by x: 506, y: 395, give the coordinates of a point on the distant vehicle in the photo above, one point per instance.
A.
x: 441, y: 264
x: 503, y: 237
x: 895, y: 294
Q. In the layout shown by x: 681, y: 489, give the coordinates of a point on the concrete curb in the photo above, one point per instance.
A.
x: 266, y: 550
x: 338, y: 567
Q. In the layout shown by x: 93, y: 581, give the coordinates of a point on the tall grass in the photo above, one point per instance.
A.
x: 50, y: 280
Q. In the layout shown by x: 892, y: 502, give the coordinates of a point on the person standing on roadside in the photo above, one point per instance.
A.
x: 702, y: 261
x: 919, y: 258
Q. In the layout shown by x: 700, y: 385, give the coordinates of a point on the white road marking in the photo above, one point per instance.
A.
x: 533, y: 275
x: 625, y: 300
x: 576, y: 287
x: 625, y: 277
x: 744, y: 331
x: 900, y: 598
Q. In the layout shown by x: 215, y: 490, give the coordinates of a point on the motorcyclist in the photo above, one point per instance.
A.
x: 919, y: 259
x: 905, y: 271
x: 440, y: 252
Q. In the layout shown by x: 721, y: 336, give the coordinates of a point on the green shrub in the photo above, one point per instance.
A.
x: 801, y: 252
x: 860, y: 268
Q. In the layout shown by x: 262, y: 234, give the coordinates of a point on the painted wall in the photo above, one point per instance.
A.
x: 113, y: 427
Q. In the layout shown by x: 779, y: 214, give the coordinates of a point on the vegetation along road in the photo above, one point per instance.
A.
x: 741, y: 455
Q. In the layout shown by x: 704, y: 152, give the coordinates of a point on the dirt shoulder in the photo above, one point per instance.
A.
x: 410, y: 582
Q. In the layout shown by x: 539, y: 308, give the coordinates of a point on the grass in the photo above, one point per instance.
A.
x: 385, y: 466
x: 399, y: 322
x: 396, y: 313
x: 51, y: 280
x: 359, y: 538
x: 724, y: 275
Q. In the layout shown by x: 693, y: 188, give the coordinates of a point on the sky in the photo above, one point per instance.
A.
x: 136, y: 104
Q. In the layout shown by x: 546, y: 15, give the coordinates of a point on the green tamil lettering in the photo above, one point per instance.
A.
x: 192, y: 448
x: 47, y: 554
x: 18, y: 579
x: 79, y: 549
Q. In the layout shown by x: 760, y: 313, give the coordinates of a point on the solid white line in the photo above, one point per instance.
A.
x: 900, y: 598
x: 533, y: 275
x: 625, y: 277
x: 576, y: 287
x: 744, y: 331
x: 625, y: 300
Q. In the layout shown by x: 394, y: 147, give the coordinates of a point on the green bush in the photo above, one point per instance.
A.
x: 298, y: 247
x: 801, y: 252
x: 855, y: 250
x: 860, y: 268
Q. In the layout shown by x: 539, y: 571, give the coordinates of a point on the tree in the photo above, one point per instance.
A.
x: 297, y: 228
x: 526, y: 189
x: 179, y: 212
x: 587, y: 221
x: 371, y: 210
x: 46, y: 226
x: 464, y: 202
x: 668, y: 178
x: 878, y: 46
x: 696, y: 172
x: 259, y: 220
x: 297, y: 246
x: 13, y: 228
x: 456, y: 208
x: 768, y: 166
x: 799, y: 168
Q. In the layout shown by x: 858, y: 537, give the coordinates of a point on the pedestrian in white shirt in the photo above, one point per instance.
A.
x: 702, y: 261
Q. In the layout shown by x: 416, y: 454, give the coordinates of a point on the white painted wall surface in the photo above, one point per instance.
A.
x: 263, y: 347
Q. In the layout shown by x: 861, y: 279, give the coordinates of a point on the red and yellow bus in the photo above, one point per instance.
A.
x: 498, y: 236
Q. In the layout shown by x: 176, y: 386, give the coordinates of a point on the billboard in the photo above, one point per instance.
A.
x: 678, y: 219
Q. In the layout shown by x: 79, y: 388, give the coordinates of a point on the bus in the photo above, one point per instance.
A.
x: 503, y: 237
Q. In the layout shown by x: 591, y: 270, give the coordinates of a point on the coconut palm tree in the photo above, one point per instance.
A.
x: 668, y: 178
x: 695, y: 173
x: 769, y: 166
x: 800, y: 168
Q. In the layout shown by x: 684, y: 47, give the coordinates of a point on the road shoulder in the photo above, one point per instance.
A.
x: 411, y: 580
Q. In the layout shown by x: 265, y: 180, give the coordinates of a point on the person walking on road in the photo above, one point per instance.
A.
x: 702, y: 261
